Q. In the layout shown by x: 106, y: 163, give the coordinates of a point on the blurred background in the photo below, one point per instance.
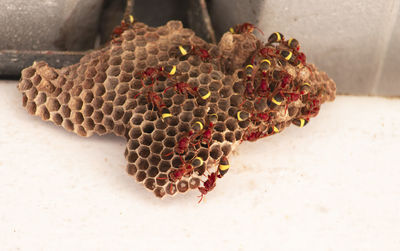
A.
x: 355, y: 42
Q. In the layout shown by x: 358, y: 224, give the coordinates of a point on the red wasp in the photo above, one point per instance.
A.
x: 261, y: 116
x: 157, y: 102
x: 287, y: 79
x: 117, y: 32
x: 263, y: 87
x: 249, y: 91
x: 302, y: 58
x: 208, y: 185
x: 183, y: 88
x: 202, y: 53
x: 245, y: 28
x: 183, y: 143
x: 183, y: 170
x: 268, y: 52
x: 207, y: 134
x: 252, y: 135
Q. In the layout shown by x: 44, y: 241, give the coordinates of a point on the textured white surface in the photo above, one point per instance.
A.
x: 333, y: 185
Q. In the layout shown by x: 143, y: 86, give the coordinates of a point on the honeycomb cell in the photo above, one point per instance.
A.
x: 89, y: 124
x: 186, y: 116
x: 77, y: 117
x: 169, y: 142
x: 199, y: 112
x: 188, y: 105
x: 141, y: 176
x: 148, y: 127
x: 161, y: 125
x: 218, y: 137
x: 41, y: 98
x: 146, y: 139
x: 44, y: 113
x: 194, y: 183
x: 156, y: 147
x: 110, y: 96
x: 159, y: 192
x: 81, y: 131
x: 28, y: 72
x: 204, y: 79
x: 64, y: 98
x: 122, y: 88
x: 101, y: 130
x: 31, y: 94
x: 99, y: 90
x: 57, y: 118
x: 98, y: 116
x: 107, y: 108
x: 220, y: 127
x: 150, y: 184
x: 167, y: 153
x: 223, y: 104
x: 67, y: 124
x: 171, y: 131
x: 131, y: 169
x: 65, y: 111
x: 142, y: 164
x: 108, y: 123
x: 183, y: 127
x: 183, y: 186
x: 143, y: 151
x: 230, y: 137
x: 154, y: 159
x: 226, y: 149
x: 118, y: 113
x: 158, y: 135
x: 25, y: 84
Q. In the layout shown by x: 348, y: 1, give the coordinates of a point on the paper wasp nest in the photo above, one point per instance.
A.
x: 181, y: 103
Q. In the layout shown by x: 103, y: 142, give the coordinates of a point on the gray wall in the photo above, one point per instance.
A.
x: 356, y: 42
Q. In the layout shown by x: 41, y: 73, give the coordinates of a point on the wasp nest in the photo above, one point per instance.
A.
x: 181, y: 103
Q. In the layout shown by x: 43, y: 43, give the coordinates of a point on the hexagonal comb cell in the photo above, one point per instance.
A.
x: 178, y: 101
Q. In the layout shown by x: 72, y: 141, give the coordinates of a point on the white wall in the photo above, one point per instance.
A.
x: 356, y: 42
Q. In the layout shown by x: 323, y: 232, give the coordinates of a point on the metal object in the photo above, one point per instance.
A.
x: 60, y: 32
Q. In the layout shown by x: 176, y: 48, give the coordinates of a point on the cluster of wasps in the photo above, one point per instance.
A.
x: 265, y: 79
x: 200, y: 133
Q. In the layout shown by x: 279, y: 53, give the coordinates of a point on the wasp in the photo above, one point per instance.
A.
x: 252, y: 135
x: 277, y: 100
x: 204, y: 93
x: 212, y: 115
x: 184, y: 143
x: 275, y: 37
x: 300, y: 122
x: 206, y: 135
x: 197, y: 162
x: 208, y: 185
x: 244, y: 28
x: 117, y: 32
x: 249, y: 71
x: 169, y: 70
x: 197, y: 126
x: 185, y: 49
x: 264, y: 66
x: 305, y: 88
x: 287, y: 55
x: 183, y: 170
x: 242, y: 115
x: 183, y: 88
x: 293, y: 43
x: 223, y: 166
